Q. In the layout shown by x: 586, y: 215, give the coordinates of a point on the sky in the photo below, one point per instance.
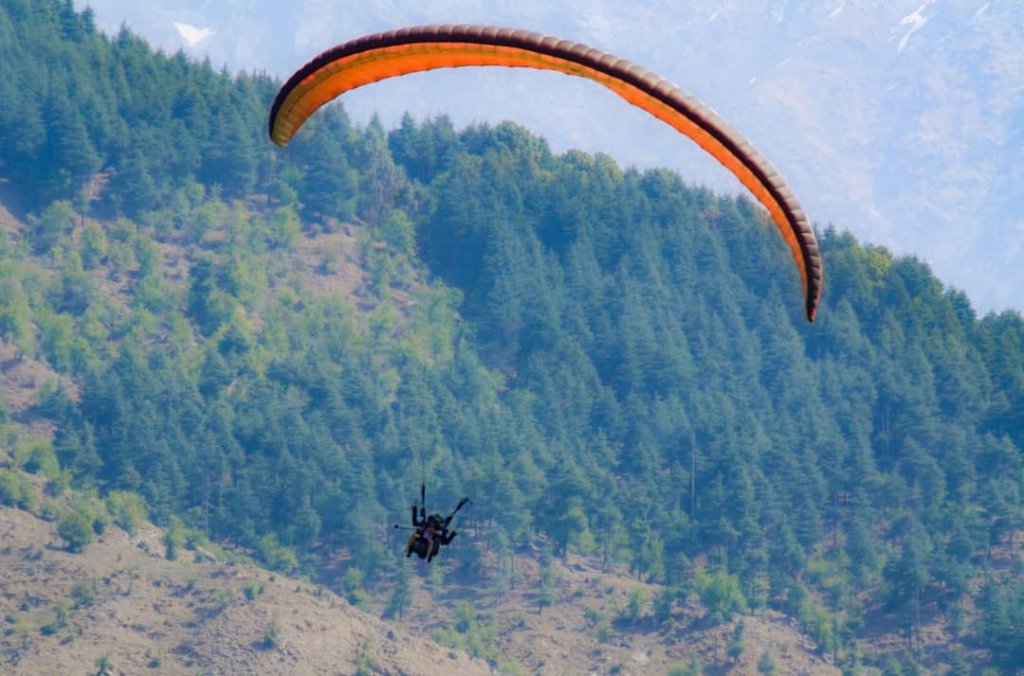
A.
x: 841, y: 96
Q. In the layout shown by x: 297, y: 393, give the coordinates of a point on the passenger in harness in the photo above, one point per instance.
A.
x: 431, y: 531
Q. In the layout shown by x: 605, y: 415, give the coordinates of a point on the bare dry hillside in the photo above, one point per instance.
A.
x: 122, y: 604
x: 583, y: 626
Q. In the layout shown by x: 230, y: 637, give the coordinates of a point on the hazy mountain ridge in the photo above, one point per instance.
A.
x: 925, y: 145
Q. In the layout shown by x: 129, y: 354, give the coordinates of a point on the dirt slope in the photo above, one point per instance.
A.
x: 581, y: 628
x: 124, y: 603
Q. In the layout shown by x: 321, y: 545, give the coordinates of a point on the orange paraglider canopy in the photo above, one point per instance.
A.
x: 384, y: 55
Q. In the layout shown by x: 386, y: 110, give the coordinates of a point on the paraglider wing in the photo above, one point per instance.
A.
x: 383, y: 55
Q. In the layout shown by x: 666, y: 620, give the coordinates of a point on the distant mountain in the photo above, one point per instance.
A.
x: 901, y: 120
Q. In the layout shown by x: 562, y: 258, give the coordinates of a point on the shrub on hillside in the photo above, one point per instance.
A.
x: 75, y: 529
x: 16, y: 490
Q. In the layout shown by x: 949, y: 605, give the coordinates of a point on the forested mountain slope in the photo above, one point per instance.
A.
x: 278, y: 346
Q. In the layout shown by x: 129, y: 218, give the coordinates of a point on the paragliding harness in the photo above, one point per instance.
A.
x: 431, y: 531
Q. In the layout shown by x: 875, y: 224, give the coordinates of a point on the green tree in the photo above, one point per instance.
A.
x: 720, y: 594
x: 127, y: 509
x: 174, y: 537
x: 631, y: 613
x: 93, y: 245
x: 738, y: 645
x: 76, y: 530
x: 15, y: 312
x: 16, y: 490
x: 69, y: 153
x: 1001, y: 625
x: 401, y: 592
x: 52, y: 226
x: 353, y: 585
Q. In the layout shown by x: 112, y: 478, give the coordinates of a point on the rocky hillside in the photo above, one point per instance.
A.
x: 122, y: 604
